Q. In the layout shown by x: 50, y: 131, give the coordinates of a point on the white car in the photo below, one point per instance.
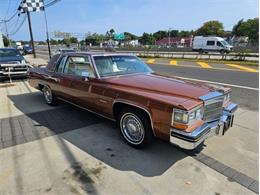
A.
x: 210, y: 43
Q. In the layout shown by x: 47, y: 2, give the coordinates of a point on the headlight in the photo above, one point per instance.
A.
x: 23, y: 62
x: 185, y: 117
x: 180, y: 116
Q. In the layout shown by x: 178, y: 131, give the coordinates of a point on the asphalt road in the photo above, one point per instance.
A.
x: 247, y: 98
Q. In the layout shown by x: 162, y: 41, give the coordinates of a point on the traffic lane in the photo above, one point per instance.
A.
x: 247, y: 79
x: 245, y: 98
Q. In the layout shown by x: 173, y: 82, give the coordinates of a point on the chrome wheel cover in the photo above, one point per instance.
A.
x: 47, y: 94
x: 132, y: 128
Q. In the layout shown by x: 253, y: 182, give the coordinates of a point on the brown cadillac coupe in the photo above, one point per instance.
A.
x: 145, y: 105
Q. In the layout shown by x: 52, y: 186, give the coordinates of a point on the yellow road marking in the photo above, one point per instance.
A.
x: 204, y: 65
x: 242, y: 68
x: 151, y: 61
x: 5, y: 175
x: 173, y: 62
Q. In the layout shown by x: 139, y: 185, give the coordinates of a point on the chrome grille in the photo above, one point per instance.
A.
x: 213, y: 109
x: 11, y: 62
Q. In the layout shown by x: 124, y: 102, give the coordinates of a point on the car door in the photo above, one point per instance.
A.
x: 220, y: 45
x: 210, y: 45
x: 79, y: 77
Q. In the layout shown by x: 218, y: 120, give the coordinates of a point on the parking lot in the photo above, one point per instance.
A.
x: 65, y: 150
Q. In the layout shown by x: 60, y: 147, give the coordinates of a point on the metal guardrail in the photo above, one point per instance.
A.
x: 186, y: 55
x: 195, y: 55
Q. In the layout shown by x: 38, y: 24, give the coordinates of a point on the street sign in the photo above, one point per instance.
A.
x: 119, y: 36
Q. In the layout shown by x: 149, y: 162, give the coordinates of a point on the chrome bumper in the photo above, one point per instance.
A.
x: 14, y: 69
x: 190, y: 141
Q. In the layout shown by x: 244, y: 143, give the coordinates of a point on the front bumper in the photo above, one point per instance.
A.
x: 7, y: 70
x: 191, y: 140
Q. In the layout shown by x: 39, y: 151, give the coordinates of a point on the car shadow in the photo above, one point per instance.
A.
x: 96, y: 136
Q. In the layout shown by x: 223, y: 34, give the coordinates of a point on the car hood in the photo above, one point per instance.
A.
x: 167, y: 89
x: 11, y: 59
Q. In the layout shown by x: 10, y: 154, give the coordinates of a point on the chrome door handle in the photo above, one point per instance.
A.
x: 53, y: 78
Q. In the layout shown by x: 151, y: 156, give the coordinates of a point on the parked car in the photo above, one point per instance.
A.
x: 64, y: 50
x: 27, y: 50
x: 12, y: 63
x: 145, y: 104
x: 206, y: 44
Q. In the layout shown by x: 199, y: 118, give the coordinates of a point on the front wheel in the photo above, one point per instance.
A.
x: 135, y: 127
x: 48, y: 95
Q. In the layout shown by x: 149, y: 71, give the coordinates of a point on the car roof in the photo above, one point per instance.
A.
x: 101, y: 53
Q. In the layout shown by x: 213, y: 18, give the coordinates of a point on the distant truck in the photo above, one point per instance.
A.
x: 19, y: 45
x: 215, y: 44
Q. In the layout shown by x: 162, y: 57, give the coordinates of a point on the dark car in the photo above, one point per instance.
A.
x: 27, y: 50
x: 12, y: 63
x: 123, y: 88
x: 65, y: 50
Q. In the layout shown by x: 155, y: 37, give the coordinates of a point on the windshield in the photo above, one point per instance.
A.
x: 119, y: 65
x: 9, y: 52
x: 225, y: 43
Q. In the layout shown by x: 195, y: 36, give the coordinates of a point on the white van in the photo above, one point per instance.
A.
x: 206, y: 44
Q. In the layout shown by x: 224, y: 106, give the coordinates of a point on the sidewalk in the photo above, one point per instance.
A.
x: 35, y: 61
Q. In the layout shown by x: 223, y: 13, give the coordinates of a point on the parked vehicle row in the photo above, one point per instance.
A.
x: 144, y: 104
x: 12, y: 63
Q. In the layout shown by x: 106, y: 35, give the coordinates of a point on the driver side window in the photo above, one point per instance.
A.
x: 79, y: 66
x: 219, y: 44
x: 61, y: 65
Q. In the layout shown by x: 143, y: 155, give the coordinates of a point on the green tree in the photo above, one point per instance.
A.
x: 53, y: 42
x: 73, y: 40
x: 130, y: 36
x: 6, y: 41
x: 235, y: 30
x: 249, y: 28
x: 94, y: 39
x: 110, y: 33
x: 160, y: 34
x: 211, y: 28
x: 147, y: 39
x: 185, y: 33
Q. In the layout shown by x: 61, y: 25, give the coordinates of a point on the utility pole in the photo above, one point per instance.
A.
x: 169, y: 37
x: 47, y: 33
x: 31, y: 34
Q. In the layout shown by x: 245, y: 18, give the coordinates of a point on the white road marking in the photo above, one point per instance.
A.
x: 217, y: 83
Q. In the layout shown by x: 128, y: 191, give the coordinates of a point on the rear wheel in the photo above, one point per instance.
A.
x: 135, y: 127
x: 50, y: 99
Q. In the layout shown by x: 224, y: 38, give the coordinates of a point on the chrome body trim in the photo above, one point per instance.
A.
x: 12, y: 73
x: 211, y: 95
x: 14, y: 65
x: 132, y: 104
x: 190, y: 140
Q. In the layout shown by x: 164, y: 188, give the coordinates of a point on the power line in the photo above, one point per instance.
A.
x: 51, y: 3
x: 19, y: 27
x: 8, y: 8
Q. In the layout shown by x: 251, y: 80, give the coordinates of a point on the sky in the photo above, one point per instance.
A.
x: 135, y: 16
